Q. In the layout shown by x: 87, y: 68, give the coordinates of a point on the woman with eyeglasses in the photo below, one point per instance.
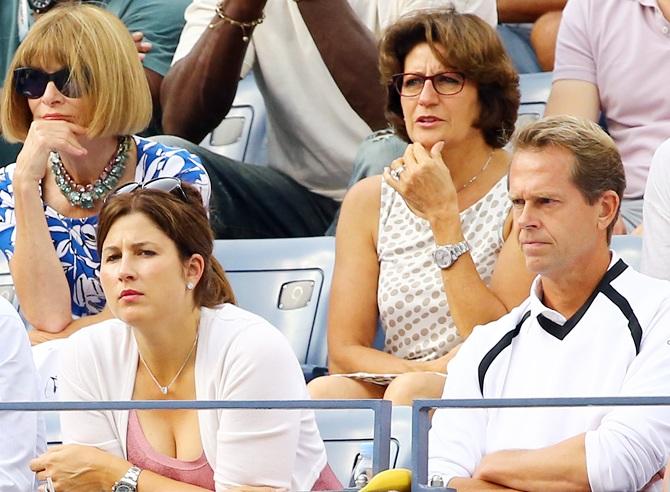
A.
x: 429, y: 248
x: 178, y: 336
x: 75, y: 95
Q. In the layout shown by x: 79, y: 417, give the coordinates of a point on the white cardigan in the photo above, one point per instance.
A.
x: 240, y: 356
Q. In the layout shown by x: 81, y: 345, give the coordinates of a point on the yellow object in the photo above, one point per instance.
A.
x: 397, y: 479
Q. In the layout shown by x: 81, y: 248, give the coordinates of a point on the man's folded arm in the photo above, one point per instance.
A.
x: 560, y: 467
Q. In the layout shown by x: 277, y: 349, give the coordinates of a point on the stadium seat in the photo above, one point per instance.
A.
x: 286, y: 281
x: 345, y: 434
x: 242, y: 133
x: 629, y: 248
x: 535, y: 88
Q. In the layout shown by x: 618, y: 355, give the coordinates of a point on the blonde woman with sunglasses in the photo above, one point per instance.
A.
x: 75, y: 95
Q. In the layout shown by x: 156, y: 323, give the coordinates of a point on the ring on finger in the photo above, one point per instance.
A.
x: 395, y: 173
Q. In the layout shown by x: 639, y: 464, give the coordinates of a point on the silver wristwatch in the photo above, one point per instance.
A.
x: 128, y: 482
x: 446, y: 255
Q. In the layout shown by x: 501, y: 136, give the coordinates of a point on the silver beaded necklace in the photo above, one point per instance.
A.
x: 85, y: 196
x: 164, y: 389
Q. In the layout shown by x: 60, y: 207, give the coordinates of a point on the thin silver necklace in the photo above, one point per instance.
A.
x: 481, y: 171
x: 164, y: 389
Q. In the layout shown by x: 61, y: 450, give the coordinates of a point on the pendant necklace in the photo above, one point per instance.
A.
x: 481, y: 171
x: 85, y: 196
x: 164, y: 389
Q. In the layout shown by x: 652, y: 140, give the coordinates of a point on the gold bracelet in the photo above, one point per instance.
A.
x: 242, y: 25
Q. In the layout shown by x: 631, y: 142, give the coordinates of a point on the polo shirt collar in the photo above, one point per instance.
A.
x: 554, y: 322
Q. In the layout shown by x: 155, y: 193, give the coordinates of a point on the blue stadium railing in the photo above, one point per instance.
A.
x: 422, y: 408
x: 381, y: 409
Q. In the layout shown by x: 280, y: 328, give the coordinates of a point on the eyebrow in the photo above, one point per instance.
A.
x: 534, y: 196
x: 140, y: 244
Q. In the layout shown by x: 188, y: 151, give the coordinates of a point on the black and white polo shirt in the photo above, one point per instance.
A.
x: 616, y: 344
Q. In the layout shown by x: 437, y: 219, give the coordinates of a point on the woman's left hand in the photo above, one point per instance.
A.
x: 73, y: 467
x: 424, y: 182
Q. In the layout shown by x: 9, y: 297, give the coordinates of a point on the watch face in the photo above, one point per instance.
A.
x: 443, y: 258
x: 122, y: 487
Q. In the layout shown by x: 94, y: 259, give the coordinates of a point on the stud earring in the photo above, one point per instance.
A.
x: 190, y: 286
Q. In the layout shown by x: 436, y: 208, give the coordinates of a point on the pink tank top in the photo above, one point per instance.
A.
x: 141, y: 454
x: 197, y: 472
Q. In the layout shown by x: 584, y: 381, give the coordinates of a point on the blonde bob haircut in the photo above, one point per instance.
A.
x: 99, y: 52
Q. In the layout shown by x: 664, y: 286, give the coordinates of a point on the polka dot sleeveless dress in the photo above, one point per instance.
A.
x: 413, y: 306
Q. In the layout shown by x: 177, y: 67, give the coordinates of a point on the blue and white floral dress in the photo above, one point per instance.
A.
x: 75, y: 239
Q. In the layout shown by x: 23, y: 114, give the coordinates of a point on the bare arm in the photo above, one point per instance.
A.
x: 526, y: 10
x: 39, y: 336
x: 427, y: 187
x: 560, y: 467
x: 199, y: 89
x: 574, y: 97
x: 44, y: 303
x: 75, y: 466
x: 472, y: 302
x: 338, y: 32
x: 475, y: 485
x: 352, y: 319
x: 37, y: 272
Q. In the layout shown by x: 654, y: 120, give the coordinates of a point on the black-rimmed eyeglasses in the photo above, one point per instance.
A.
x: 167, y: 184
x: 444, y: 83
x: 32, y: 82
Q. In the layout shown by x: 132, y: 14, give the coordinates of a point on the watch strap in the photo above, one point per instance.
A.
x: 130, y: 478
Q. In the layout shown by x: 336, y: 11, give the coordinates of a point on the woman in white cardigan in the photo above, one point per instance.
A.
x: 177, y: 336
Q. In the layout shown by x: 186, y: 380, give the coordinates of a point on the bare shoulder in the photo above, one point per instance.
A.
x: 363, y: 199
x: 367, y: 192
x: 360, y: 209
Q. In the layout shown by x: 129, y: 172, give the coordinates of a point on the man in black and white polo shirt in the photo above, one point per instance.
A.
x: 592, y: 326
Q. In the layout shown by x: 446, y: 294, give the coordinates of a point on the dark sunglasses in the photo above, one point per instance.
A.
x: 166, y: 184
x: 32, y: 82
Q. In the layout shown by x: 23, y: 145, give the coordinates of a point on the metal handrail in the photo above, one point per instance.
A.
x: 381, y: 409
x: 421, y: 420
